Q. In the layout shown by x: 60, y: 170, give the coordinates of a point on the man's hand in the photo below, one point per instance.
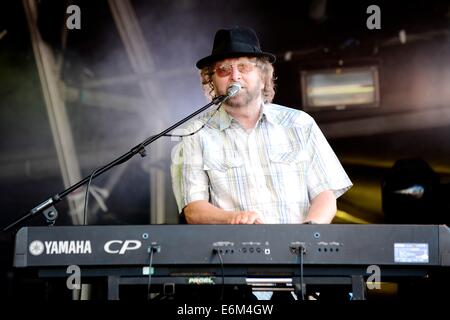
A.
x: 203, y: 212
x: 246, y: 217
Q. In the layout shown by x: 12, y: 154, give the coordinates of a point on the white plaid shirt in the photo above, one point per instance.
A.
x: 276, y: 169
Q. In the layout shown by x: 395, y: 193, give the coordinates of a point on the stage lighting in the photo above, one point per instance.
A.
x: 410, y: 193
x: 340, y: 88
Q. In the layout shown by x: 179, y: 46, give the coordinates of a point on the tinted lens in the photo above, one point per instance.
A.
x: 245, y: 67
x: 225, y: 70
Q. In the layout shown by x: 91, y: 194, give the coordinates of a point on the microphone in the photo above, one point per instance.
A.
x: 233, y: 89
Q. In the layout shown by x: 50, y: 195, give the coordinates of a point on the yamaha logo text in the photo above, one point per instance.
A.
x: 38, y: 247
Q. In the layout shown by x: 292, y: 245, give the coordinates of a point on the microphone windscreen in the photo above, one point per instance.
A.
x: 233, y: 89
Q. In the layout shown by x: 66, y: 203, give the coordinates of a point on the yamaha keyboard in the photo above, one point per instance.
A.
x: 234, y: 252
x: 239, y: 245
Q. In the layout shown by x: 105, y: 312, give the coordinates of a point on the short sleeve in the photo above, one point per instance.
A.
x: 324, y: 172
x: 189, y: 180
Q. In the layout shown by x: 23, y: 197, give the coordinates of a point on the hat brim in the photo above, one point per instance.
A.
x: 206, y: 61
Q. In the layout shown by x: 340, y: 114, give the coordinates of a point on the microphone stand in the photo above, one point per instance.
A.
x: 47, y: 206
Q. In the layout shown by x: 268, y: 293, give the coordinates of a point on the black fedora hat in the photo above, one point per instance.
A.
x: 234, y: 42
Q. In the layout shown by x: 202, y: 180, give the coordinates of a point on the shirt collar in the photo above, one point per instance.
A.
x: 225, y: 119
x: 266, y: 112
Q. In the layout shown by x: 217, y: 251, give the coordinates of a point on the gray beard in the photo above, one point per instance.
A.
x: 249, y: 97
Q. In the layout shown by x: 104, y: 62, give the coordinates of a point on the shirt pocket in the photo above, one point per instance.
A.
x: 213, y: 162
x: 288, y: 171
x: 289, y: 157
x: 222, y: 171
